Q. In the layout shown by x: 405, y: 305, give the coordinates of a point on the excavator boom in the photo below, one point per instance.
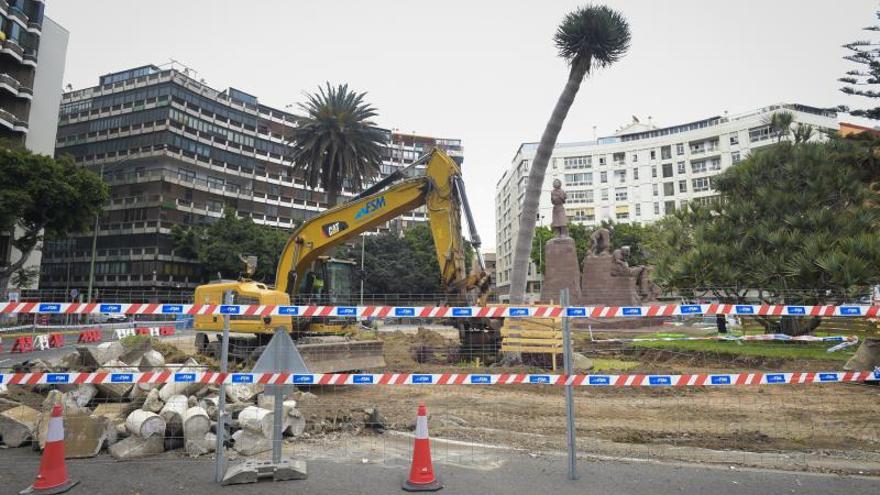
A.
x: 439, y: 189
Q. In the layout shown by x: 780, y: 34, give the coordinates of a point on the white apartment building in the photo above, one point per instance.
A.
x: 638, y: 174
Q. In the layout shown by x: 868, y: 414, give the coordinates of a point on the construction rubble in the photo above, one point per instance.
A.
x: 138, y: 420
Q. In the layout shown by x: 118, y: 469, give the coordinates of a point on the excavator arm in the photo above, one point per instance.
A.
x: 440, y: 190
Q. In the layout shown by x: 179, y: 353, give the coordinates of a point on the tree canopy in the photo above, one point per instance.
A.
x: 336, y: 144
x: 217, y: 246
x: 395, y: 264
x: 41, y: 196
x: 799, y: 222
x: 864, y: 80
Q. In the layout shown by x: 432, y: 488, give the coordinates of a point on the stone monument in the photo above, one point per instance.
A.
x: 609, y: 280
x: 561, y: 268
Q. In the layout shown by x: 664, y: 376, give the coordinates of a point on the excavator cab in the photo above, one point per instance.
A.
x: 328, y: 283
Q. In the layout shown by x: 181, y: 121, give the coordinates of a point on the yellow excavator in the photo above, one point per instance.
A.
x: 307, y: 274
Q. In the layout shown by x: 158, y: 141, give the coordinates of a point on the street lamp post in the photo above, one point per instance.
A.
x: 363, y: 273
x: 94, y: 247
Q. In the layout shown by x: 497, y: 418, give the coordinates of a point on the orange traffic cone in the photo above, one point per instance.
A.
x: 52, y: 477
x: 421, y: 474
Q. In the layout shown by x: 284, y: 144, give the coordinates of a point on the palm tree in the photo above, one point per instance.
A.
x: 591, y: 37
x: 336, y: 143
x: 781, y: 122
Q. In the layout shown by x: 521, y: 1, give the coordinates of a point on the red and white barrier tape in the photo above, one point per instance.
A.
x: 630, y: 380
x: 778, y: 337
x: 439, y: 311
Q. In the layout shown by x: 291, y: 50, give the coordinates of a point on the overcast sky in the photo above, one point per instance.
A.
x: 482, y: 71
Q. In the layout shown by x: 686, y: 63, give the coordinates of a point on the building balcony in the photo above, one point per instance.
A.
x: 30, y: 57
x: 35, y: 27
x: 18, y: 15
x: 4, y: 6
x: 13, y: 49
x: 11, y: 85
x: 11, y: 122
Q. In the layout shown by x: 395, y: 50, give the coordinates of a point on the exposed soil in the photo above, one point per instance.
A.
x: 836, y: 423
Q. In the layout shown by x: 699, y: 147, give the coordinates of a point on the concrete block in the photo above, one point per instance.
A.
x: 251, y: 470
x: 84, y: 436
x: 153, y: 403
x: 95, y: 356
x: 135, y: 447
x: 172, y: 412
x: 145, y: 424
x: 249, y: 442
x: 187, y: 389
x: 18, y: 425
x: 116, y: 390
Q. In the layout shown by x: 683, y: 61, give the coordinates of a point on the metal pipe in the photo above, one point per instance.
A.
x: 569, y: 390
x: 220, y: 462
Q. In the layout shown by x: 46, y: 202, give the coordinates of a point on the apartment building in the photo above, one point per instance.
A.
x: 639, y: 174
x: 176, y: 151
x: 33, y: 50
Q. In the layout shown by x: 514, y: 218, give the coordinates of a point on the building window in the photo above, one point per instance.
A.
x: 701, y: 184
x: 603, y: 177
x: 653, y: 154
x: 760, y: 133
x: 679, y: 149
x: 669, y: 207
x: 605, y: 194
x: 668, y: 188
x: 601, y: 160
x: 579, y: 196
x: 577, y: 162
x: 638, y: 209
x: 667, y: 170
x: 681, y: 168
x: 656, y: 189
x: 635, y: 157
x: 698, y: 167
x: 581, y: 179
x: 635, y: 173
x: 620, y: 176
x: 734, y: 157
x: 620, y: 194
x: 682, y: 186
x: 666, y: 152
x: 656, y: 208
x: 623, y: 215
x: 619, y: 158
x: 682, y: 203
x: 186, y: 175
x: 714, y: 164
x: 734, y: 139
x: 654, y: 171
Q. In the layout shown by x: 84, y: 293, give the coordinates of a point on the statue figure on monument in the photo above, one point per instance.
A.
x: 600, y: 241
x: 560, y: 220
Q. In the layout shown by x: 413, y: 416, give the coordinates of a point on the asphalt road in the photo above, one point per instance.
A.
x: 516, y: 473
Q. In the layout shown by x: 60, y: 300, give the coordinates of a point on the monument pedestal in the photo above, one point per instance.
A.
x: 599, y: 287
x: 561, y: 270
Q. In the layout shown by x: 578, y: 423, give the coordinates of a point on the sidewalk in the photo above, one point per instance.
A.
x: 509, y: 473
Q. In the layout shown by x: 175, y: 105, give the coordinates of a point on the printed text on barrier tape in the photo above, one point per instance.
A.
x: 632, y: 380
x: 440, y: 311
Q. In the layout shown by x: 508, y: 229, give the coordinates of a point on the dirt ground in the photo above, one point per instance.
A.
x: 826, y: 427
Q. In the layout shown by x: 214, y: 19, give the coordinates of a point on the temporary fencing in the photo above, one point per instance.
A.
x: 662, y: 310
x: 422, y: 379
x: 715, y: 409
